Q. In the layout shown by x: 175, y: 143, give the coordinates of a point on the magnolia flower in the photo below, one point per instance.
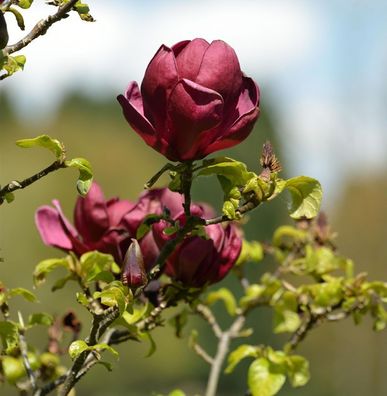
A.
x: 194, y: 100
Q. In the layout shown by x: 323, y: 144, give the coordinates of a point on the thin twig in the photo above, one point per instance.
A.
x: 186, y: 181
x: 223, y: 348
x: 202, y: 353
x: 208, y: 316
x: 16, y: 185
x: 40, y: 28
x: 23, y: 350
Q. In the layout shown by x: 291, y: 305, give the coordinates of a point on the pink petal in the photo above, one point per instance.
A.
x: 133, y: 109
x: 90, y: 215
x: 192, y: 109
x: 247, y: 112
x: 189, y: 59
x: 220, y: 71
x: 51, y: 228
x: 159, y: 79
x: 117, y: 209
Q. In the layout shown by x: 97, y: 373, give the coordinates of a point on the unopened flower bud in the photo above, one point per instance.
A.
x: 133, y: 273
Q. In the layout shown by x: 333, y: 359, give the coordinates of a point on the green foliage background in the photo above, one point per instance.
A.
x: 344, y: 359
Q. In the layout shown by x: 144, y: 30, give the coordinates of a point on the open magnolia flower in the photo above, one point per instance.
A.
x: 98, y: 225
x: 194, y: 100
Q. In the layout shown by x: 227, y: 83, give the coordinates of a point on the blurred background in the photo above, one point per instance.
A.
x: 321, y: 67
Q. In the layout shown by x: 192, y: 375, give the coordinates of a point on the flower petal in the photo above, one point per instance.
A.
x: 117, y: 209
x: 159, y: 79
x: 192, y: 109
x: 246, y: 113
x: 220, y: 71
x: 133, y: 110
x: 51, y: 228
x: 189, y: 59
x: 90, y: 215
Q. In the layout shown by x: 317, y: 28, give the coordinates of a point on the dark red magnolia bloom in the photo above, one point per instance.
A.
x: 194, y: 100
x: 98, y: 225
x: 198, y: 261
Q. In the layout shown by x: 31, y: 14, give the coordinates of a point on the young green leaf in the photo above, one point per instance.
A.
x: 306, y: 194
x: 9, y: 333
x: 45, y: 141
x: 40, y: 318
x: 26, y: 294
x: 265, y: 378
x: 85, y: 178
x: 242, y: 352
x: 45, y: 267
x: 298, y: 370
x: 226, y: 296
x: 76, y: 348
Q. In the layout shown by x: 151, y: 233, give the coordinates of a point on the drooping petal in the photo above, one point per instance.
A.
x: 192, y: 109
x: 51, y: 228
x: 220, y: 70
x: 133, y: 110
x: 189, y: 59
x: 116, y: 209
x: 90, y: 215
x: 159, y: 79
x: 245, y: 114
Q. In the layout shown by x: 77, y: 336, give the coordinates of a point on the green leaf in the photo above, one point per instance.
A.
x: 226, y: 296
x: 104, y: 347
x: 251, y: 252
x: 287, y: 234
x: 45, y: 267
x: 85, y: 178
x: 176, y: 392
x: 242, y: 352
x: 12, y: 64
x: 13, y: 369
x: 76, y: 348
x: 113, y: 295
x: 152, y: 346
x: 286, y: 318
x: 9, y: 197
x: 93, y: 263
x: 25, y: 3
x: 45, y: 141
x: 26, y: 294
x: 298, y: 370
x: 61, y: 283
x: 107, y: 365
x: 265, y: 378
x: 19, y: 18
x: 178, y: 322
x: 82, y: 299
x: 136, y: 315
x: 40, y: 318
x: 306, y: 194
x: 9, y: 333
x: 253, y: 292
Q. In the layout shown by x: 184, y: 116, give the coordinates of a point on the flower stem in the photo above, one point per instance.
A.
x: 186, y: 182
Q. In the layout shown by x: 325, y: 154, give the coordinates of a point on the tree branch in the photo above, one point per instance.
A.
x: 16, y: 185
x: 41, y: 28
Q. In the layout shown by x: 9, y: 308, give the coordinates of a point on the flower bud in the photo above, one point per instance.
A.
x: 133, y: 273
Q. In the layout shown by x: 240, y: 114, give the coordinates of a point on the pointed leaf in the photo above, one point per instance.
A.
x: 44, y: 141
x: 76, y: 348
x: 226, y: 296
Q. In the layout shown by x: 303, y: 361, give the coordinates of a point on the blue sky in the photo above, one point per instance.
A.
x: 321, y: 65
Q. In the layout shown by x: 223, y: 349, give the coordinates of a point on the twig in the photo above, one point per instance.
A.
x: 202, y: 353
x: 223, y: 347
x: 40, y: 28
x: 16, y: 185
x: 23, y: 350
x: 250, y: 205
x: 99, y: 326
x: 208, y: 316
x: 186, y: 181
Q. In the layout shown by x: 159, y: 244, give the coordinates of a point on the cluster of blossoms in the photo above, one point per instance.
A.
x: 194, y: 100
x: 111, y: 226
